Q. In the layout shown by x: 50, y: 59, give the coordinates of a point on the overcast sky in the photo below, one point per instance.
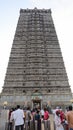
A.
x: 62, y: 13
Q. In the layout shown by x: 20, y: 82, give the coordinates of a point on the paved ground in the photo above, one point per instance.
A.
x: 3, y: 119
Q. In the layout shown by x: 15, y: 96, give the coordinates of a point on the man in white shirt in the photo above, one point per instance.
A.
x: 18, y: 117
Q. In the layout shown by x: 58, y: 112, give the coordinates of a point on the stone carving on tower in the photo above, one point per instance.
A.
x: 36, y: 70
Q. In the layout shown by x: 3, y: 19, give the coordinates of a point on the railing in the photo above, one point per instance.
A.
x: 36, y: 125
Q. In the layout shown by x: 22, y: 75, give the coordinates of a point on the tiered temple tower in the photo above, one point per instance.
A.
x: 36, y: 73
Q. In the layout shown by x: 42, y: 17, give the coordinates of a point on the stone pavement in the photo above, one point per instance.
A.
x: 3, y: 118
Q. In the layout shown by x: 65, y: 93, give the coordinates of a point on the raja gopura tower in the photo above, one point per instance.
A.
x: 36, y: 73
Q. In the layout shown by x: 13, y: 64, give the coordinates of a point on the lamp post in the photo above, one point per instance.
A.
x: 5, y: 104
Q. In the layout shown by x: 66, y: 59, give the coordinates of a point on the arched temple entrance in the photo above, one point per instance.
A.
x: 36, y: 100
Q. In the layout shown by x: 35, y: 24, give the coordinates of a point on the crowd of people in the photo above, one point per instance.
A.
x: 64, y: 119
x: 17, y: 118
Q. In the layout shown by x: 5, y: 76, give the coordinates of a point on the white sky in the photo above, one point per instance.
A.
x: 62, y: 13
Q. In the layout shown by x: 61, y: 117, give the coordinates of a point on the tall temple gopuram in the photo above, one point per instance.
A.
x: 36, y: 74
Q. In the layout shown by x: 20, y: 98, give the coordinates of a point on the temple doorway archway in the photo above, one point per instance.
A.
x: 36, y: 103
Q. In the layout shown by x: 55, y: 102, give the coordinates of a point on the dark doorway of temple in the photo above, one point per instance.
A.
x: 36, y: 103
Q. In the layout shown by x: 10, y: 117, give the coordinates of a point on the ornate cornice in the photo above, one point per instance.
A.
x: 35, y: 10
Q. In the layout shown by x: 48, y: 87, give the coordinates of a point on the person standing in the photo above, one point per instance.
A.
x: 69, y: 118
x: 58, y: 124
x: 42, y: 113
x: 28, y: 116
x: 9, y: 119
x: 38, y: 119
x: 46, y: 114
x: 18, y: 117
